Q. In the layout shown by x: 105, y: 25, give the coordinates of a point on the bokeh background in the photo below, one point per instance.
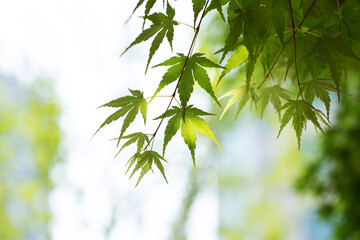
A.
x: 59, y: 61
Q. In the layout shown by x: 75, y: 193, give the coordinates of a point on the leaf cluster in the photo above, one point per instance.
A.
x: 287, y: 53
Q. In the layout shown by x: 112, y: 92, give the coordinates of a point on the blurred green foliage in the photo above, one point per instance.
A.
x: 334, y: 177
x: 29, y: 145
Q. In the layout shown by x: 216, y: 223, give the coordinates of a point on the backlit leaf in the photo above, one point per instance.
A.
x: 189, y: 122
x: 129, y: 105
x: 238, y: 58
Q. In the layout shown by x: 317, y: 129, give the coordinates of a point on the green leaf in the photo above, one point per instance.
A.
x: 319, y: 88
x: 188, y: 132
x: 171, y: 129
x: 132, y: 161
x: 138, y: 137
x: 273, y: 95
x: 129, y: 105
x: 171, y: 61
x: 148, y: 6
x: 115, y: 116
x: 197, y: 112
x: 144, y: 162
x: 204, y: 62
x: 300, y: 111
x: 241, y: 94
x: 144, y: 170
x: 238, y: 58
x: 186, y: 85
x: 160, y: 166
x: 198, y: 5
x: 235, y: 30
x: 203, y: 80
x: 155, y: 45
x: 189, y: 124
x: 330, y: 51
x: 171, y: 112
x: 203, y: 128
x: 172, y: 74
x: 250, y: 64
x: 138, y: 5
x: 162, y: 24
x: 193, y: 71
x: 145, y: 35
x: 143, y: 109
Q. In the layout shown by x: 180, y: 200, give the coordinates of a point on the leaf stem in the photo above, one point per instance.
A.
x: 197, y: 29
x: 287, y: 42
x: 159, y: 96
x: 304, y: 31
x: 295, y: 62
x: 185, y: 24
x: 177, y: 102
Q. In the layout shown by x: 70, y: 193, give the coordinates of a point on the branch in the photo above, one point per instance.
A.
x: 287, y: 42
x: 197, y: 29
x: 293, y: 29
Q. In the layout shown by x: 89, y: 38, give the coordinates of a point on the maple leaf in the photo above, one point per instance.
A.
x: 138, y: 137
x: 189, y: 122
x: 129, y: 105
x: 144, y: 162
x: 273, y: 95
x: 194, y: 71
x: 300, y: 111
x: 163, y: 25
x: 319, y: 88
x: 249, y: 19
x: 330, y: 51
x: 241, y: 94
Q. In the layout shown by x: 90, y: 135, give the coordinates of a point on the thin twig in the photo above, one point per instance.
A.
x: 287, y: 42
x: 295, y: 63
x: 182, y: 72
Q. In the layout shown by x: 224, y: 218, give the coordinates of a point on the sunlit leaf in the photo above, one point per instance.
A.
x: 238, y: 58
x: 129, y: 106
x: 189, y: 122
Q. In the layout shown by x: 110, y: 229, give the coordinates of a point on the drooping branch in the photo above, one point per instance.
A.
x: 197, y: 29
